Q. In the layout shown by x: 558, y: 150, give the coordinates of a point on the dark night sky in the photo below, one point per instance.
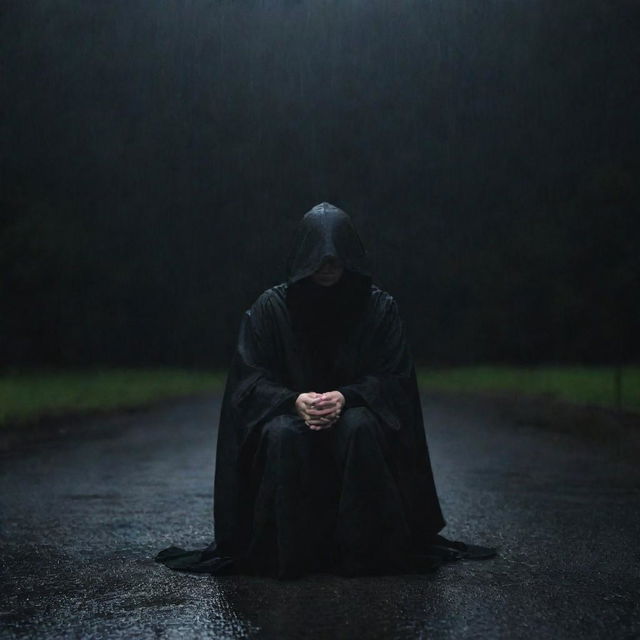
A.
x: 155, y: 156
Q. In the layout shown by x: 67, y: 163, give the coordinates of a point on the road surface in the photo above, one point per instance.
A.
x: 83, y: 515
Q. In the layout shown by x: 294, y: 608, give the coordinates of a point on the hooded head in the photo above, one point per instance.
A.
x: 327, y: 307
x: 326, y: 233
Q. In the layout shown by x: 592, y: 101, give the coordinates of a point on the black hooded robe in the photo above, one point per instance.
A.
x: 357, y: 498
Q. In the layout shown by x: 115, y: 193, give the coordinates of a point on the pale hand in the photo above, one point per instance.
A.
x: 320, y: 410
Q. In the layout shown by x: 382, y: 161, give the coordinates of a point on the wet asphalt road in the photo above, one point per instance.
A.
x: 82, y: 517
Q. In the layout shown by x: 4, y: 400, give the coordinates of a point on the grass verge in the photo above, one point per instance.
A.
x: 26, y: 397
x: 580, y: 385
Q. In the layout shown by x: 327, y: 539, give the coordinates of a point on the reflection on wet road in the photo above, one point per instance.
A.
x: 83, y: 518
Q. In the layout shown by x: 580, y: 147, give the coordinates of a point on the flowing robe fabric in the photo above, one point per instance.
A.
x: 356, y: 498
x: 268, y: 371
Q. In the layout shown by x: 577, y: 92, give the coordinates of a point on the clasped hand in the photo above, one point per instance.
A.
x: 320, y: 410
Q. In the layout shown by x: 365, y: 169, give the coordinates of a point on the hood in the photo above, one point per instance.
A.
x: 326, y: 231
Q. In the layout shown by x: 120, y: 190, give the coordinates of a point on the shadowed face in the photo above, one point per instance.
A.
x: 329, y: 273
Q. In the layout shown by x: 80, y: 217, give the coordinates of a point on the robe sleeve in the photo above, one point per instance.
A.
x: 351, y: 397
x: 387, y: 375
x: 258, y: 393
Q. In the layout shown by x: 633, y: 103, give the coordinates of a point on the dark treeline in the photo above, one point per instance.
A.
x: 156, y: 154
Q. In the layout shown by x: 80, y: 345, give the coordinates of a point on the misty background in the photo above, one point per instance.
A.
x: 155, y: 156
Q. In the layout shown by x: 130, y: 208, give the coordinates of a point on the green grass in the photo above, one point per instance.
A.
x: 581, y: 385
x: 26, y: 396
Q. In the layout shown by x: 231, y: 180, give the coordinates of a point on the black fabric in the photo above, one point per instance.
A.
x: 322, y: 319
x: 356, y: 498
x: 455, y: 550
x: 326, y: 231
x: 319, y: 495
x: 351, y: 397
